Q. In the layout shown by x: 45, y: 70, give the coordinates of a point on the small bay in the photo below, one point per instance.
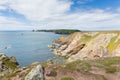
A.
x: 26, y: 46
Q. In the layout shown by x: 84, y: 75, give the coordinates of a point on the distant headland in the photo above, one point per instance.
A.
x: 59, y: 31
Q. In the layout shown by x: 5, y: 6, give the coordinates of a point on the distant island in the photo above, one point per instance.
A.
x: 59, y: 31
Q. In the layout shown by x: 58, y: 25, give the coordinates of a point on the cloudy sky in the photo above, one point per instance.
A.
x: 60, y: 14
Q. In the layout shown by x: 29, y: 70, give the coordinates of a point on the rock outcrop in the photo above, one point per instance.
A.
x: 35, y: 74
x: 88, y: 45
x: 7, y: 64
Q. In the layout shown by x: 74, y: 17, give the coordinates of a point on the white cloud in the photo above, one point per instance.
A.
x: 83, y: 1
x: 55, y: 14
x: 2, y: 7
x: 41, y: 9
x: 12, y: 24
x: 118, y: 9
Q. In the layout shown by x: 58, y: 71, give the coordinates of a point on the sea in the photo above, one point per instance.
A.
x: 27, y: 46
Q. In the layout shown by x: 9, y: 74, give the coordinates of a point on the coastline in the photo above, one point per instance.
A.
x: 83, y: 45
x: 97, y: 68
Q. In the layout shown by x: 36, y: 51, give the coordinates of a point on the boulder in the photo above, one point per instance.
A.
x: 2, y: 56
x: 7, y: 65
x: 35, y: 74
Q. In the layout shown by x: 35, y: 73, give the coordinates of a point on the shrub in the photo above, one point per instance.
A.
x: 67, y: 78
x: 9, y: 64
x: 53, y: 73
x: 111, y: 69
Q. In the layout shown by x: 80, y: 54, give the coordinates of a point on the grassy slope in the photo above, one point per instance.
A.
x: 105, y: 63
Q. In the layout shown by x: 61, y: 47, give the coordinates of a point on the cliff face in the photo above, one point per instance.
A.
x: 7, y: 65
x: 88, y: 45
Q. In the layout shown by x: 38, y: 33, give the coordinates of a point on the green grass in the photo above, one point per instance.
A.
x: 67, y: 78
x: 108, y: 64
x: 10, y: 65
x: 105, y: 63
x: 72, y: 65
x: 111, y: 69
x: 86, y: 38
x: 112, y: 44
x: 86, y: 67
x: 79, y: 66
x: 108, y: 61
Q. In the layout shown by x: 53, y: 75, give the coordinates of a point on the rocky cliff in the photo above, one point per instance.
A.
x: 10, y: 70
x: 88, y: 45
x: 7, y: 65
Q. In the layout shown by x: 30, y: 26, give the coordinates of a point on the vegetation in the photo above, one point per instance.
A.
x: 111, y: 69
x: 72, y: 65
x: 9, y: 64
x: 108, y: 61
x: 113, y: 44
x: 86, y: 67
x: 53, y: 73
x: 59, y: 31
x: 67, y: 78
x: 86, y: 38
x: 108, y: 64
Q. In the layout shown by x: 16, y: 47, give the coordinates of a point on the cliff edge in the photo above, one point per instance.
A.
x: 88, y: 45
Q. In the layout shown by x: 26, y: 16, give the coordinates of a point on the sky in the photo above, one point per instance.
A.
x: 60, y: 14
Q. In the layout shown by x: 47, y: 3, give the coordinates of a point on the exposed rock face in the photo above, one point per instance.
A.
x: 35, y: 74
x: 7, y: 64
x: 90, y: 45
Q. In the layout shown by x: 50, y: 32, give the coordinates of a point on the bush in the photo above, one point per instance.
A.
x: 111, y: 69
x: 53, y: 73
x: 67, y: 78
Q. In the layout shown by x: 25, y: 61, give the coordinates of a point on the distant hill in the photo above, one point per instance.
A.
x: 59, y: 31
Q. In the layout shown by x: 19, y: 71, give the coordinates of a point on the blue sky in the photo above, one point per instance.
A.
x: 101, y: 4
x: 59, y: 14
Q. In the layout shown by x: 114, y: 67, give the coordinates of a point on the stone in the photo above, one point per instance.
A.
x: 2, y: 56
x: 35, y: 74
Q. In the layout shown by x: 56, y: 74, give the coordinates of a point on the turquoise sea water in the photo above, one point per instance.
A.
x: 27, y: 47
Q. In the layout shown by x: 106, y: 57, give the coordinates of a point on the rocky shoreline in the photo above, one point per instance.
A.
x: 87, y: 45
